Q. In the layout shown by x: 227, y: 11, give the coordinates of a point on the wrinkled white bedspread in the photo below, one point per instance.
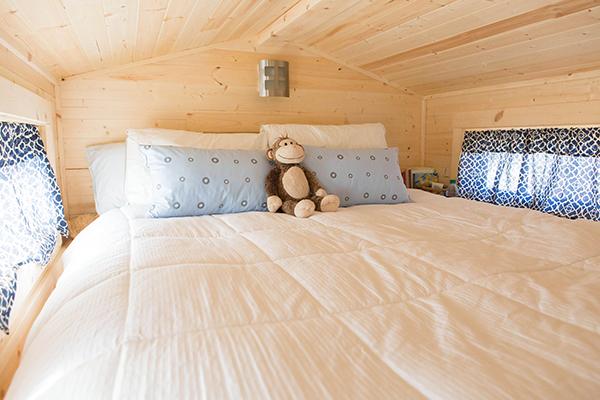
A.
x: 441, y: 298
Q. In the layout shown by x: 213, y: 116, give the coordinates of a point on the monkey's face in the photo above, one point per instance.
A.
x: 286, y: 151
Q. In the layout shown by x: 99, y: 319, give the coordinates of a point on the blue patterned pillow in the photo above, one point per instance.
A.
x: 358, y: 176
x: 189, y: 181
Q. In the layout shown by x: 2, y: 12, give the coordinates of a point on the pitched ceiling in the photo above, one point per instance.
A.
x: 426, y: 46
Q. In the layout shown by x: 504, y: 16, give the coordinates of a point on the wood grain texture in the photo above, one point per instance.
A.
x: 571, y: 100
x: 30, y: 104
x: 12, y: 345
x: 425, y: 47
x: 28, y: 97
x: 216, y: 91
x: 13, y: 68
x: 434, y: 47
x: 74, y: 36
x: 552, y: 11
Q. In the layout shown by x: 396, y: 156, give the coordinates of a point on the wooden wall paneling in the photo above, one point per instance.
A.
x: 80, y: 191
x: 374, y: 20
x: 15, y: 69
x: 12, y: 346
x: 288, y: 48
x: 523, y: 59
x: 508, y: 75
x: 304, y: 16
x: 216, y: 90
x: 529, y: 33
x: 18, y: 103
x: 509, y: 53
x: 171, y: 26
x: 492, y: 20
x: 45, y: 27
x: 556, y: 102
x: 34, y: 104
x: 150, y: 18
x: 429, y: 47
x: 28, y: 96
x: 86, y: 19
x: 577, y: 88
x: 190, y: 36
x: 237, y: 22
x: 256, y: 22
x: 440, y: 23
x: 326, y: 19
x: 453, y: 31
x: 60, y: 153
x: 80, y: 133
x: 18, y: 34
x: 120, y: 17
x: 362, y: 71
x: 423, y: 130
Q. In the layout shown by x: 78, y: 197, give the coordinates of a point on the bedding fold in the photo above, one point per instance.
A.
x: 437, y: 298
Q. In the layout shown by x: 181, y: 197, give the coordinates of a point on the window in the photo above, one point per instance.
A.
x: 554, y: 170
x: 31, y: 210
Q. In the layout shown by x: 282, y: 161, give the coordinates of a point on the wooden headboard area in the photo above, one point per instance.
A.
x: 215, y: 90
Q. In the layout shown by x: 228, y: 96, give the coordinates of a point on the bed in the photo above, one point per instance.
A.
x: 437, y: 298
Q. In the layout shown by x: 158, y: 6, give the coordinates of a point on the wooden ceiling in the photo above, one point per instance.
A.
x: 427, y: 46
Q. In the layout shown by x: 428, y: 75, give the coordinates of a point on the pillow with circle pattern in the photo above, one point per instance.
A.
x: 358, y: 176
x: 190, y: 181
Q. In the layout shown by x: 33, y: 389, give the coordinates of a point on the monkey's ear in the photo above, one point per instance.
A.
x: 270, y: 154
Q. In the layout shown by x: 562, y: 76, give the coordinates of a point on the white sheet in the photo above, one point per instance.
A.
x: 441, y: 298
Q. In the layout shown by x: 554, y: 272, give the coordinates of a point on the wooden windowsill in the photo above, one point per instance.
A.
x: 12, y: 345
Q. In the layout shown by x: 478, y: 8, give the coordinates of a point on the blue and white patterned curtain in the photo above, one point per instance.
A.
x: 31, y: 210
x: 554, y: 170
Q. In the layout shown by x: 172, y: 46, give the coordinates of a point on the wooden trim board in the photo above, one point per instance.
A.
x: 12, y: 347
x: 40, y: 70
x: 6, y: 117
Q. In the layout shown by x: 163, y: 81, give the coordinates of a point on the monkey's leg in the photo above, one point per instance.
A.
x: 301, y: 209
x: 328, y: 203
x: 317, y: 200
x: 288, y: 206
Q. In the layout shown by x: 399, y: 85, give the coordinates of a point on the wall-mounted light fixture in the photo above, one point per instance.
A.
x: 273, y: 78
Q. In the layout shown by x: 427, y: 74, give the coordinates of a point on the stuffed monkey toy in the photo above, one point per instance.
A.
x: 291, y: 187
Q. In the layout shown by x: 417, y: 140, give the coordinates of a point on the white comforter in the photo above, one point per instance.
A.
x: 441, y: 298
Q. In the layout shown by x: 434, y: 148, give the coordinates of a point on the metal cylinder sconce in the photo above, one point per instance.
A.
x: 273, y: 78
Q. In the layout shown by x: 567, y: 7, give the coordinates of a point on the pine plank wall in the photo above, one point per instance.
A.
x: 562, y: 101
x: 216, y: 91
x: 27, y: 96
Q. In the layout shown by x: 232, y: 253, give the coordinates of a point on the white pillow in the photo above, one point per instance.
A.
x: 361, y: 136
x: 107, y: 167
x: 138, y: 182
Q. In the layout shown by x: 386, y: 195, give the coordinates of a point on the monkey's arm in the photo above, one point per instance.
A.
x: 273, y: 199
x: 271, y: 182
x: 314, y: 184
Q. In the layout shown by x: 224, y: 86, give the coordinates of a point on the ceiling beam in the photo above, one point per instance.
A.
x: 292, y: 15
x: 586, y: 74
x: 29, y: 61
x: 145, y: 61
x: 552, y: 11
x: 315, y: 51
